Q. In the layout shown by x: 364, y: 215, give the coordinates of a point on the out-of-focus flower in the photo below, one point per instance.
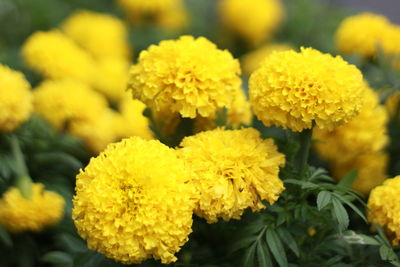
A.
x: 232, y: 170
x: 189, y: 76
x: 134, y: 202
x: 384, y: 207
x: 252, y: 60
x: 100, y: 34
x: 15, y: 99
x: 43, y: 209
x: 392, y: 104
x: 175, y: 18
x: 54, y: 55
x: 253, y: 20
x: 135, y: 123
x: 293, y: 90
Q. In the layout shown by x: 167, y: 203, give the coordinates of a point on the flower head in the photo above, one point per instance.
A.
x: 384, y: 207
x: 253, y: 20
x: 18, y: 214
x: 189, y: 76
x: 100, y: 34
x: 232, y: 170
x: 293, y: 90
x: 134, y: 202
x: 55, y: 56
x: 15, y: 99
x: 136, y: 123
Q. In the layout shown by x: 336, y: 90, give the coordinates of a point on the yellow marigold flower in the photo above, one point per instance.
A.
x: 136, y: 123
x: 293, y: 90
x: 367, y: 132
x: 384, y: 207
x: 253, y: 20
x: 18, y: 214
x: 134, y: 202
x: 175, y: 18
x: 55, y: 56
x: 232, y: 170
x: 363, y: 33
x: 112, y: 78
x: 102, y: 35
x: 62, y: 101
x: 189, y: 76
x: 15, y: 99
x: 392, y: 104
x: 252, y: 60
x: 371, y: 170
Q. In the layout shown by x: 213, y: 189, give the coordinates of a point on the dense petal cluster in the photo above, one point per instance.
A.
x: 135, y: 122
x: 54, y: 55
x: 189, y: 76
x: 232, y: 170
x: 367, y: 132
x: 253, y: 20
x: 134, y: 202
x: 15, y: 99
x: 18, y: 214
x: 293, y: 90
x: 364, y: 33
x: 384, y: 207
x: 252, y: 60
x: 100, y: 34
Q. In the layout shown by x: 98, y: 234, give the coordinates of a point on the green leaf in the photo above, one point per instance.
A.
x: 349, y: 179
x: 248, y: 259
x: 303, y: 184
x: 351, y: 205
x: 361, y: 239
x: 276, y: 247
x: 58, y: 257
x: 263, y: 256
x: 323, y: 199
x: 341, y: 214
x: 288, y: 240
x: 5, y: 237
x: 241, y: 243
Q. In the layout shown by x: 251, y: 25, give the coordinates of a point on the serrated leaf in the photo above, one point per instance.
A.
x: 263, y: 256
x: 351, y: 205
x: 288, y: 240
x: 58, y: 257
x: 361, y: 239
x: 276, y: 247
x: 348, y: 179
x: 248, y: 258
x: 323, y: 199
x: 5, y: 237
x: 341, y: 214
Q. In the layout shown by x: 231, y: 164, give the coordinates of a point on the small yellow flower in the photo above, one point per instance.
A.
x: 133, y: 202
x: 43, y: 209
x: 232, y: 170
x: 15, y: 99
x: 253, y: 20
x: 384, y: 207
x: 55, y: 56
x: 100, y: 34
x: 293, y: 90
x: 189, y: 76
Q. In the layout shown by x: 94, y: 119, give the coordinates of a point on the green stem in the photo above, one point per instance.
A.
x: 23, y: 181
x: 304, y: 151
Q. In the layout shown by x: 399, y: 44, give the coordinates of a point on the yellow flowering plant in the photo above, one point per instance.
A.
x: 224, y: 133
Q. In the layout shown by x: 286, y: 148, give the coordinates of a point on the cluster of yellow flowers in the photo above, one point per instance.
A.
x: 253, y: 20
x: 365, y: 33
x: 15, y: 99
x: 358, y: 144
x: 42, y: 209
x: 295, y: 90
x: 384, y: 207
x: 92, y: 53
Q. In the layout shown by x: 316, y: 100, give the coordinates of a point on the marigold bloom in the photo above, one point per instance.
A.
x: 367, y: 132
x: 18, y: 214
x: 371, y: 170
x: 135, y: 122
x: 252, y: 60
x: 384, y: 207
x: 55, y: 56
x: 293, y: 90
x: 175, y: 18
x: 253, y: 20
x: 134, y: 202
x: 101, y: 34
x: 232, y: 170
x: 189, y: 76
x: 15, y: 99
